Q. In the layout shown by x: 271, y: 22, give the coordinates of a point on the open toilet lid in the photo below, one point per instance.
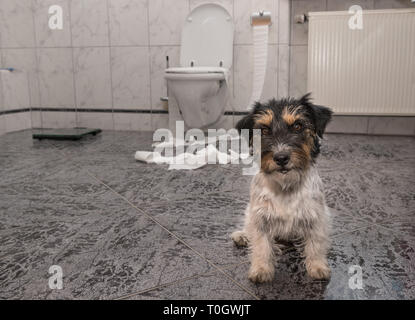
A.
x: 207, y: 37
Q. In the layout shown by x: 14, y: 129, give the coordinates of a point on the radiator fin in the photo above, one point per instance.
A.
x: 368, y: 71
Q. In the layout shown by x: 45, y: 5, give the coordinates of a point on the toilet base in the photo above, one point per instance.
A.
x: 175, y: 115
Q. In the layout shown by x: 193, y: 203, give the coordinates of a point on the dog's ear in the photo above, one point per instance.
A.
x: 247, y: 122
x: 322, y: 116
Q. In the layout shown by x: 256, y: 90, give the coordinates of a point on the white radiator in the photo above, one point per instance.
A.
x: 369, y: 71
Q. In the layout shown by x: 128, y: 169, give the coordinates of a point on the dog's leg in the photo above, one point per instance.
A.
x: 240, y: 238
x: 262, y: 266
x: 315, y: 250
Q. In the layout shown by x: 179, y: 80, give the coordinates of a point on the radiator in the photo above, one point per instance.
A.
x: 363, y: 72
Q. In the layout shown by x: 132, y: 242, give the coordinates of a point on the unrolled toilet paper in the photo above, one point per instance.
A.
x: 191, y: 161
x: 260, y: 35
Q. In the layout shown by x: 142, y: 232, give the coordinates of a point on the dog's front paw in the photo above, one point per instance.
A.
x: 318, y: 269
x: 261, y: 274
x: 240, y: 238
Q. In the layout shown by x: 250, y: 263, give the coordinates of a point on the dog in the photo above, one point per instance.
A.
x: 286, y: 196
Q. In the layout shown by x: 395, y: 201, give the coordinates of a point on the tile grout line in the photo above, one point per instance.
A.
x: 351, y: 231
x: 175, y: 236
x: 167, y: 230
x: 368, y: 224
x: 37, y: 59
x: 359, y: 220
x: 75, y: 96
x: 110, y: 56
x: 168, y: 284
x: 379, y: 224
x: 162, y: 285
x: 150, y: 69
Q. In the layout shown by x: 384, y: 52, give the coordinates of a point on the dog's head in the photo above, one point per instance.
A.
x: 290, y: 133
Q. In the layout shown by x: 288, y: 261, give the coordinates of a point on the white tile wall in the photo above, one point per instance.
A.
x: 111, y: 54
x: 128, y: 22
x: 56, y: 120
x: 55, y: 74
x: 392, y: 125
x: 100, y: 120
x: 16, y: 90
x: 166, y: 18
x: 298, y: 70
x: 45, y: 37
x: 348, y: 124
x: 36, y: 119
x: 92, y: 77
x: 284, y: 7
x: 392, y: 4
x: 159, y: 121
x: 89, y: 23
x: 283, y: 70
x: 344, y: 5
x: 1, y: 87
x: 132, y: 121
x: 16, y: 24
x: 2, y: 125
x: 24, y: 61
x: 130, y: 77
x: 16, y: 121
x: 20, y: 87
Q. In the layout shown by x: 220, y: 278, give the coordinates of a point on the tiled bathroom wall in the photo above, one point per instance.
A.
x: 105, y: 67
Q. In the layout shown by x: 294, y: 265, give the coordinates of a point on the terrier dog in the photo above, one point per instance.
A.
x: 286, y: 197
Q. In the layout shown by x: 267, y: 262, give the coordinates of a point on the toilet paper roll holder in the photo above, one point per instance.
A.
x: 261, y: 18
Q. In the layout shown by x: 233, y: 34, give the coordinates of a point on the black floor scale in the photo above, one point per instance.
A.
x: 64, y: 134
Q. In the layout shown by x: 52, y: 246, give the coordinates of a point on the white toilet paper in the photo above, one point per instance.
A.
x: 260, y: 62
x: 190, y: 161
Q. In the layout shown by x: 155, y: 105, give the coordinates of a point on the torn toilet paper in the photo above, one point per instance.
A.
x: 191, y: 161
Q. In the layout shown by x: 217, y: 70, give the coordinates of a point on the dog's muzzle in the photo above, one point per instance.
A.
x: 282, y: 159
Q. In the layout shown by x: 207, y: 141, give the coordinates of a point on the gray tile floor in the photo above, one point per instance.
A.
x: 123, y: 229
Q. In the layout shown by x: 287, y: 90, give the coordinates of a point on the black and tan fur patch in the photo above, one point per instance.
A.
x: 292, y: 126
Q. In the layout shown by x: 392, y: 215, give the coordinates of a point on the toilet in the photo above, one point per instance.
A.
x: 198, y: 89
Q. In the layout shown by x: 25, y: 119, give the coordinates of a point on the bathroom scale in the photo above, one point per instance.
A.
x: 64, y: 134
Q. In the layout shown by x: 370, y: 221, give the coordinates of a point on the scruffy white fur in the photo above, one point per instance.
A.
x: 287, y: 206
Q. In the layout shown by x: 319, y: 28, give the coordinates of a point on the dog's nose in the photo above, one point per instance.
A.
x: 281, y: 158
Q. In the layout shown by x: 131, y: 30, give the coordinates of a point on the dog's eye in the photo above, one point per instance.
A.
x: 297, y: 126
x: 265, y: 131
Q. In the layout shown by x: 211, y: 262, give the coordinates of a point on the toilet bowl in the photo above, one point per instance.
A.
x: 199, y: 87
